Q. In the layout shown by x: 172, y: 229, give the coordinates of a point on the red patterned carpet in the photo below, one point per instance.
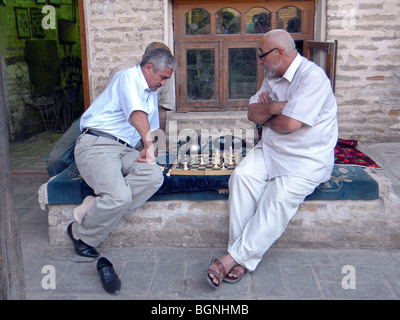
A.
x: 347, y: 153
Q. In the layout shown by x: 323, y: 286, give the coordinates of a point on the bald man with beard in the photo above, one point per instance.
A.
x: 297, y: 106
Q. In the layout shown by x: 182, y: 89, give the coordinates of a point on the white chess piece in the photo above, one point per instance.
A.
x: 217, y: 159
x: 230, y: 156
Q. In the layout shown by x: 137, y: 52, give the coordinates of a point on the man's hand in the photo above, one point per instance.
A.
x: 265, y: 109
x: 264, y: 98
x: 140, y: 121
x: 146, y: 155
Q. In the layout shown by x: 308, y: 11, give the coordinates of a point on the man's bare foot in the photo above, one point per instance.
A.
x: 227, y: 262
x: 235, y: 274
x: 80, y: 212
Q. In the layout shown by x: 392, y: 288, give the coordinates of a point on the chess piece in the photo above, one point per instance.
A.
x: 231, y: 163
x: 185, y: 166
x: 217, y: 159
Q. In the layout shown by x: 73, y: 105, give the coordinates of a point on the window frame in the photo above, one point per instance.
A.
x: 329, y: 49
x: 181, y: 87
x: 222, y: 43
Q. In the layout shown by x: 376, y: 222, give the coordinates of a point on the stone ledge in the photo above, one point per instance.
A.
x: 185, y: 223
x: 336, y: 224
x: 333, y: 223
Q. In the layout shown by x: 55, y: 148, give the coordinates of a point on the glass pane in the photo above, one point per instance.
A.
x: 227, y: 21
x: 198, y: 22
x: 242, y: 73
x: 258, y: 20
x: 200, y: 74
x: 289, y: 18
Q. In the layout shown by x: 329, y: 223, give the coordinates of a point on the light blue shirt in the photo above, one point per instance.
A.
x: 128, y: 91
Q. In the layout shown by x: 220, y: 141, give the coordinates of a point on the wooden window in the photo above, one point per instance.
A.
x: 216, y: 46
x: 325, y: 55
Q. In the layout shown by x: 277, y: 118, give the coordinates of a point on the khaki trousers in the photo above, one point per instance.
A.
x: 120, y: 183
x: 260, y: 209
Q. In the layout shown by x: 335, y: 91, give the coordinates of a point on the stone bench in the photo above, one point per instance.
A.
x: 346, y: 183
x: 355, y: 208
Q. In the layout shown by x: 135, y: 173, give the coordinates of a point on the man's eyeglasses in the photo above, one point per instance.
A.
x: 265, y: 54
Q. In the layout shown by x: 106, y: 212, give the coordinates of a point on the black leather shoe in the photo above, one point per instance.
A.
x: 82, y: 248
x: 111, y: 282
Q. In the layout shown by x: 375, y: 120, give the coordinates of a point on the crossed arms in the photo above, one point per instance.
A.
x: 270, y: 113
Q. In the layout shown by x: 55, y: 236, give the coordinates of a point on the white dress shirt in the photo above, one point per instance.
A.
x: 128, y: 91
x: 309, y: 151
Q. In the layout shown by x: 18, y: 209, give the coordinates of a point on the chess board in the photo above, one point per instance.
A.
x: 223, y: 166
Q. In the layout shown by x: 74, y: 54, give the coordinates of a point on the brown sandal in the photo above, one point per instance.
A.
x: 236, y: 272
x: 219, y: 275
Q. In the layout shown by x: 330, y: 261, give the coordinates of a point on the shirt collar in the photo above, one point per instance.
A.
x: 142, y: 79
x: 289, y: 74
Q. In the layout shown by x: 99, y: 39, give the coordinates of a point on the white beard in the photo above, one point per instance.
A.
x: 270, y: 73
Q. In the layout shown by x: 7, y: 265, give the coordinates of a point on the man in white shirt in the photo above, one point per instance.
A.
x: 165, y: 94
x: 62, y: 154
x: 296, y: 154
x: 122, y: 177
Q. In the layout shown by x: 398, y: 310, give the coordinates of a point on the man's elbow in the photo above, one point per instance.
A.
x: 250, y: 116
x: 284, y: 125
x: 294, y: 125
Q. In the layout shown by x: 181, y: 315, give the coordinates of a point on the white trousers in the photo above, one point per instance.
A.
x: 120, y: 183
x: 260, y: 209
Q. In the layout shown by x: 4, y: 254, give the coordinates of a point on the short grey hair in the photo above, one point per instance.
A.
x: 160, y: 59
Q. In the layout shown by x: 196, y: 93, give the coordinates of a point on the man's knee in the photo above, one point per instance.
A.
x: 123, y: 199
x: 152, y: 175
x: 157, y: 177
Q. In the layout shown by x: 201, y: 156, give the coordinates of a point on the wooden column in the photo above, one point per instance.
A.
x: 12, y: 285
x: 85, y: 67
